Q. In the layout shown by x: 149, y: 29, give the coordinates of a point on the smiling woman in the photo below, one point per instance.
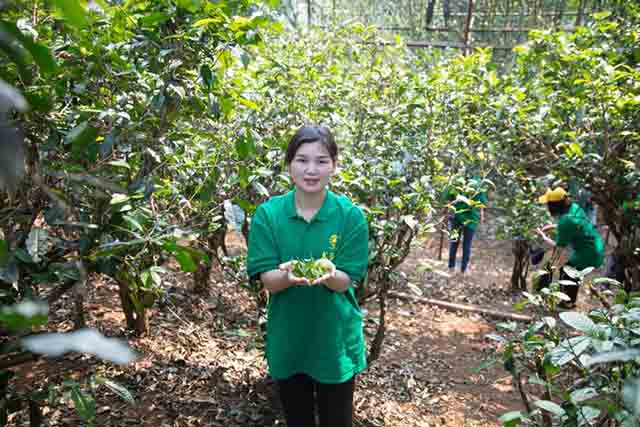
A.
x: 315, y: 342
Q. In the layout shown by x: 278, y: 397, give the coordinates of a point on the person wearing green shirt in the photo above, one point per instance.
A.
x: 315, y: 343
x: 575, y: 230
x: 467, y: 201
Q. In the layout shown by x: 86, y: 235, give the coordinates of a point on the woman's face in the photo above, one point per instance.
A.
x: 311, y: 167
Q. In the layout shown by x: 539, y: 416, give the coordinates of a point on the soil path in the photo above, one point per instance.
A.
x: 202, y: 365
x: 432, y: 356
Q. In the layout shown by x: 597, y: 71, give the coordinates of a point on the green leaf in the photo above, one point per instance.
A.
x: 186, y: 262
x: 569, y: 349
x: 248, y: 103
x: 511, y: 419
x: 583, y: 394
x: 190, y: 5
x: 84, y: 404
x: 120, y: 164
x: 207, y: 21
x: 154, y: 19
x: 613, y: 356
x: 72, y: 11
x: 187, y: 257
x: 118, y: 198
x: 261, y: 189
x: 631, y: 395
x: 40, y: 53
x: 118, y: 389
x: 80, y: 137
x: 245, y: 145
x: 134, y: 224
x: 208, y: 79
x: 578, y: 321
x: 550, y: 406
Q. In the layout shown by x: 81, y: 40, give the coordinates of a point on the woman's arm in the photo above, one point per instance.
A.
x: 340, y: 282
x: 276, y: 281
x: 546, y: 238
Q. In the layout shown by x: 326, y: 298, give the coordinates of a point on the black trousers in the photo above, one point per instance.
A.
x: 301, y: 395
x: 570, y: 290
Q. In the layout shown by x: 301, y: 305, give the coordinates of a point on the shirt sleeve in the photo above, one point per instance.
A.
x: 352, y: 255
x: 565, y: 232
x: 262, y: 254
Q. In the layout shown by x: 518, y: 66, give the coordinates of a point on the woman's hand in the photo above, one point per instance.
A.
x: 288, y: 268
x: 548, y: 227
x: 329, y: 267
x: 544, y: 237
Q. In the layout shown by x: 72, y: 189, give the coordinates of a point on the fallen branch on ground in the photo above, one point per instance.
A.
x: 463, y: 307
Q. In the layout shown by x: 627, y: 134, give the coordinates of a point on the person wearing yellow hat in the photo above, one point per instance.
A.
x: 575, y: 230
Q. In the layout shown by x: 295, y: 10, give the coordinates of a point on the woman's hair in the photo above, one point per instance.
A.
x: 560, y: 207
x: 312, y: 133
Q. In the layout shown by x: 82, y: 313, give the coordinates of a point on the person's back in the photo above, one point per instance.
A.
x: 575, y: 229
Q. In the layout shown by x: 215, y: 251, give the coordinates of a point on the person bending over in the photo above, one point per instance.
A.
x: 573, y: 230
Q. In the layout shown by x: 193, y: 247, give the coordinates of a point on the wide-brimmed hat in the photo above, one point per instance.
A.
x: 556, y: 195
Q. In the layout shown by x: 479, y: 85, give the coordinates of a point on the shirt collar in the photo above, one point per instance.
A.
x: 327, y: 208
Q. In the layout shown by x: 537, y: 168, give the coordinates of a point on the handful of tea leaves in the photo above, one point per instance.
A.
x: 311, y: 269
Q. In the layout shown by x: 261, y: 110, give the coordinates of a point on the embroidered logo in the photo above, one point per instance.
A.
x: 333, y: 241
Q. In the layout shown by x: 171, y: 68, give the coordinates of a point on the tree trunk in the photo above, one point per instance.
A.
x: 467, y: 28
x: 376, y: 345
x: 431, y: 5
x: 520, y: 265
x: 79, y: 291
x: 78, y: 319
x: 142, y: 323
x: 136, y: 322
x: 202, y: 276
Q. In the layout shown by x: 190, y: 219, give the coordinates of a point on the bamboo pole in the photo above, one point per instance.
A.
x: 463, y: 307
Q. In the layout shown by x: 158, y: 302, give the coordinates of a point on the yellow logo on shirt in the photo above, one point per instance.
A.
x: 333, y: 242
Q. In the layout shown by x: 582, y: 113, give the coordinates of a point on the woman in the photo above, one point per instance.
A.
x: 315, y: 342
x: 573, y: 229
x: 464, y: 220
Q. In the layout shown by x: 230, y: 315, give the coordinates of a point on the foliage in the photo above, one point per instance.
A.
x: 99, y: 94
x: 568, y: 109
x: 583, y: 366
x: 311, y: 269
x: 521, y: 216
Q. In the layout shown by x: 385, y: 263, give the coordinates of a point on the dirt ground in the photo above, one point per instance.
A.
x: 202, y: 364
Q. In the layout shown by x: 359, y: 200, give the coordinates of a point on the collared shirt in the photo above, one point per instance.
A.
x: 312, y: 329
x: 576, y: 230
x: 465, y: 214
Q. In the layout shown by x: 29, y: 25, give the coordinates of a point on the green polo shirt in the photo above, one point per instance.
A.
x: 465, y: 214
x: 312, y: 329
x: 576, y: 230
